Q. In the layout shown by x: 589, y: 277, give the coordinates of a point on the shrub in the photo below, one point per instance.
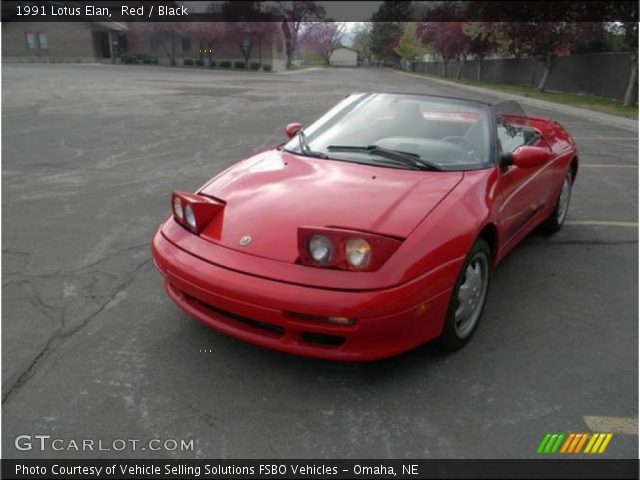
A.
x: 129, y: 59
x: 254, y: 66
x: 225, y: 64
x: 266, y: 68
x: 188, y: 62
x: 200, y: 63
x: 239, y: 64
x: 212, y: 63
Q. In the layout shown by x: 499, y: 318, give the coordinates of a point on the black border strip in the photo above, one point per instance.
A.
x: 350, y: 11
x: 322, y: 469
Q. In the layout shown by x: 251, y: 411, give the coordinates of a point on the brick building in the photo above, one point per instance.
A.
x: 184, y: 43
x: 61, y: 41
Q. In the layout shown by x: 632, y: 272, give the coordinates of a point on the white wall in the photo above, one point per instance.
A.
x: 343, y: 57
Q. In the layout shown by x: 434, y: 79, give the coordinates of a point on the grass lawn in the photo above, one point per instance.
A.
x: 592, y: 103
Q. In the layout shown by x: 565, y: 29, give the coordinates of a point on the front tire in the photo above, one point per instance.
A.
x: 468, y: 297
x: 559, y: 214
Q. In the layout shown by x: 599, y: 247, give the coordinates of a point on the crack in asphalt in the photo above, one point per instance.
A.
x: 80, y: 270
x: 58, y: 338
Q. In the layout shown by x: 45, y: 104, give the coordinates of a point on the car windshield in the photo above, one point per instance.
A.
x: 401, y: 131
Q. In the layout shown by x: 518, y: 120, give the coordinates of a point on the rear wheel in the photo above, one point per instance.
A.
x: 468, y: 298
x: 557, y: 217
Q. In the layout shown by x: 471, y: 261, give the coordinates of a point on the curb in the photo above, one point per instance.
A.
x: 599, y: 117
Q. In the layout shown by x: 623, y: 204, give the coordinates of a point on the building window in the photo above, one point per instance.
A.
x: 43, y: 42
x: 31, y: 40
x: 36, y: 40
x: 186, y: 44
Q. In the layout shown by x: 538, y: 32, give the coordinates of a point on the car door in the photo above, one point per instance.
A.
x: 522, y: 191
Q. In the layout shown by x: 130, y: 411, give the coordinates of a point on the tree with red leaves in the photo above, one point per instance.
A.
x: 247, y: 25
x: 207, y: 34
x: 323, y: 38
x: 545, y: 41
x: 447, y: 39
x: 483, y: 39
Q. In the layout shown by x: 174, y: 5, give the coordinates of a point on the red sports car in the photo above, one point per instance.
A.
x: 370, y: 232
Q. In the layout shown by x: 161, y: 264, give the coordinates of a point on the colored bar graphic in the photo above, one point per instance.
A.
x: 543, y: 443
x: 574, y: 444
x: 581, y: 443
x: 551, y: 442
x: 567, y: 443
x: 590, y: 444
x: 555, y: 447
x: 595, y: 443
x: 605, y: 443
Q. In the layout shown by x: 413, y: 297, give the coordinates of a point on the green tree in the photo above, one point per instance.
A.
x: 362, y: 42
x: 409, y: 48
x: 387, y: 28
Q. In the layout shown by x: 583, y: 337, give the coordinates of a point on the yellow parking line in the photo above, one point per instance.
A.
x: 619, y: 425
x: 598, y: 223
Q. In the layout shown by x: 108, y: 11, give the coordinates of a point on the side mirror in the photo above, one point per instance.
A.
x: 526, y: 157
x: 292, y: 129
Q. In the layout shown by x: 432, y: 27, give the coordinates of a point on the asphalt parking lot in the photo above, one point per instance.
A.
x: 93, y: 349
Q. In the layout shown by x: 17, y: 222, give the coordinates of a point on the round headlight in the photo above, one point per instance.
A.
x: 358, y: 252
x: 189, y: 217
x: 177, y: 208
x: 320, y: 249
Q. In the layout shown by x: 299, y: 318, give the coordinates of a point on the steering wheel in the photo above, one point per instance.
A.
x: 462, y: 142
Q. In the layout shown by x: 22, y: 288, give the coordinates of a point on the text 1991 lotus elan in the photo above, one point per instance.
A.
x: 370, y: 232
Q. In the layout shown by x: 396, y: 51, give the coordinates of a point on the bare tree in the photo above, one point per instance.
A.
x: 362, y: 42
x: 247, y: 24
x: 162, y: 35
x: 296, y: 14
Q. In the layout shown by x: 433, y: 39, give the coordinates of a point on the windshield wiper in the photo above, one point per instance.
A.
x: 304, y: 146
x: 405, y: 158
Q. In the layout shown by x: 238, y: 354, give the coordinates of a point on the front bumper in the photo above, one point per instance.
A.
x: 290, y: 317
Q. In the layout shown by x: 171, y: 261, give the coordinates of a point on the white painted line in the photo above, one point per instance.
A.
x: 606, y: 138
x: 619, y: 425
x: 598, y: 223
x: 582, y: 165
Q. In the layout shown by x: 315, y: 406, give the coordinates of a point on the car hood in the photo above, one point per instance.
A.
x: 270, y: 195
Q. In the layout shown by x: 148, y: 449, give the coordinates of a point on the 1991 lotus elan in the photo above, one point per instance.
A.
x: 370, y: 232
